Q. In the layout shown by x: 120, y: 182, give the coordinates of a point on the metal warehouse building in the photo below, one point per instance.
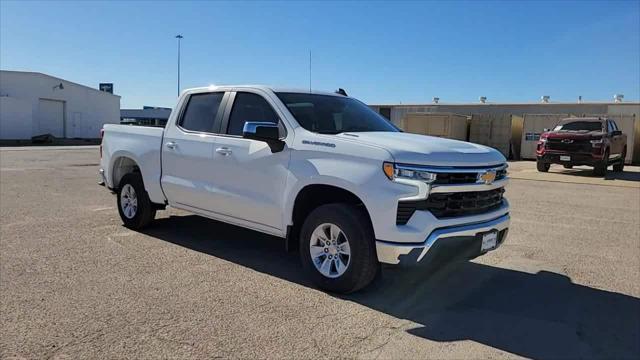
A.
x: 33, y: 104
x: 513, y: 129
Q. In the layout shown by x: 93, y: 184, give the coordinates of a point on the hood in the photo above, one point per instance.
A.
x: 574, y: 135
x: 417, y: 149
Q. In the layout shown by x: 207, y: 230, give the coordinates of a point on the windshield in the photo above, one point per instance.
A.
x: 326, y: 114
x: 579, y: 126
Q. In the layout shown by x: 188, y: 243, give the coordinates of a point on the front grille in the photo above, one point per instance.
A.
x: 464, y: 178
x: 452, y: 204
x: 573, y: 146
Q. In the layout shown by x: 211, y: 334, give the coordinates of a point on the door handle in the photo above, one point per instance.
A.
x: 223, y: 151
x: 171, y: 145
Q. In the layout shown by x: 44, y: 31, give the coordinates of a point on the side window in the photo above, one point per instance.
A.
x: 615, y: 126
x: 250, y: 107
x: 609, y: 126
x: 201, y: 111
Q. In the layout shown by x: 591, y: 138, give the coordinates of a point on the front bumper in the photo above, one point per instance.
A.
x: 102, y: 180
x: 576, y: 158
x: 463, y: 241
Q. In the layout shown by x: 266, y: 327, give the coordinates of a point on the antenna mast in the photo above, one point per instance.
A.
x: 309, y: 71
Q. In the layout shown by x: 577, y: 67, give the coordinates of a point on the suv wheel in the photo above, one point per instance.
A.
x: 619, y: 167
x: 134, y: 206
x: 600, y: 169
x: 542, y: 166
x: 337, y: 248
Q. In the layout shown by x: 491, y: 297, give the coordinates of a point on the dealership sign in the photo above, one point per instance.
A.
x: 106, y: 87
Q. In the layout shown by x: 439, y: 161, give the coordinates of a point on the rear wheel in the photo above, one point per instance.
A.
x: 542, y: 166
x: 337, y: 248
x: 619, y: 167
x: 134, y: 206
x: 600, y: 169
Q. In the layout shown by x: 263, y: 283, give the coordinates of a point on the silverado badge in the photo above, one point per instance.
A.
x: 488, y: 177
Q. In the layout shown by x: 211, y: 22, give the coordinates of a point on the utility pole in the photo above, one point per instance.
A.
x: 179, y: 37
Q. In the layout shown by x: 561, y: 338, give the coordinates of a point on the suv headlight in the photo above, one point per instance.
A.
x: 597, y: 141
x: 395, y: 171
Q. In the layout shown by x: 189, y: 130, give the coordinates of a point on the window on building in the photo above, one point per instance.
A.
x: 386, y: 112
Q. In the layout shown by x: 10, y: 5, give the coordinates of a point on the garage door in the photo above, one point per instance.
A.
x: 50, y: 118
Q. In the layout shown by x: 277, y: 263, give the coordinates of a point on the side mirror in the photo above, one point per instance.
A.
x: 264, y: 131
x: 616, y: 133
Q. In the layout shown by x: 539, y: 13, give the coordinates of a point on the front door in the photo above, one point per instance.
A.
x: 187, y: 152
x: 615, y: 149
x: 249, y: 177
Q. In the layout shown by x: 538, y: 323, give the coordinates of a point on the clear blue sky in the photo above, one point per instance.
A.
x: 380, y: 52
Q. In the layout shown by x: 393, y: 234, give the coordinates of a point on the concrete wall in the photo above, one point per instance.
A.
x: 85, y: 109
x: 486, y: 116
x: 399, y: 111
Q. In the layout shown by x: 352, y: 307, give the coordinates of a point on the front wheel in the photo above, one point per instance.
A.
x: 619, y: 167
x: 600, y: 169
x: 337, y: 248
x: 134, y: 206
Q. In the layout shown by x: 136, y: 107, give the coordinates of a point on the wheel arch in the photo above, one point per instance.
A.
x: 311, y: 197
x: 122, y: 164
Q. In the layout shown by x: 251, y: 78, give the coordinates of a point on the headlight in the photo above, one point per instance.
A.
x: 395, y: 171
x: 596, y: 141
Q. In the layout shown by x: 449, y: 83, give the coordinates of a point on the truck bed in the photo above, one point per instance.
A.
x: 135, y: 146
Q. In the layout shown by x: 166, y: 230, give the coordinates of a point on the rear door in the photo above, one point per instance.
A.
x: 249, y: 178
x: 187, y: 151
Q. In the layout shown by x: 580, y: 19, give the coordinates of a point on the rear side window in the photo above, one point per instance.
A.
x: 249, y: 107
x: 201, y: 111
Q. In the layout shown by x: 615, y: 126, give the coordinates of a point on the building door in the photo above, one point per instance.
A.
x: 533, y: 126
x: 77, y: 126
x: 50, y: 118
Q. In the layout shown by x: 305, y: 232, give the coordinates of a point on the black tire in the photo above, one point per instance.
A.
x: 568, y: 166
x: 542, y: 166
x: 145, y: 211
x: 619, y: 166
x: 363, y: 263
x: 600, y: 169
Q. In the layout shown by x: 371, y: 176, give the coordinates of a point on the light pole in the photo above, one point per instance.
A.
x: 179, y: 37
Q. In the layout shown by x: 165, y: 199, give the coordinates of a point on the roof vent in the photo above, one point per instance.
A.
x: 483, y: 99
x: 545, y: 99
x: 436, y: 99
x: 618, y: 98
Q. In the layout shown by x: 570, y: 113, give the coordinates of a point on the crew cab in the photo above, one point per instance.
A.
x: 338, y: 181
x: 592, y: 141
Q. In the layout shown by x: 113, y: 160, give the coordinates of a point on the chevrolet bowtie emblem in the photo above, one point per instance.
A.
x: 488, y: 177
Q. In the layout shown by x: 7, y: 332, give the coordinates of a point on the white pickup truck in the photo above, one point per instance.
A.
x: 338, y: 181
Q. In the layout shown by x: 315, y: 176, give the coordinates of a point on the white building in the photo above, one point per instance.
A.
x: 34, y: 104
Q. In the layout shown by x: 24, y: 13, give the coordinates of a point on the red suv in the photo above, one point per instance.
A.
x: 594, y: 142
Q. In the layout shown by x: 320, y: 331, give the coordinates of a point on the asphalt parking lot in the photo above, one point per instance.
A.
x: 74, y: 283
